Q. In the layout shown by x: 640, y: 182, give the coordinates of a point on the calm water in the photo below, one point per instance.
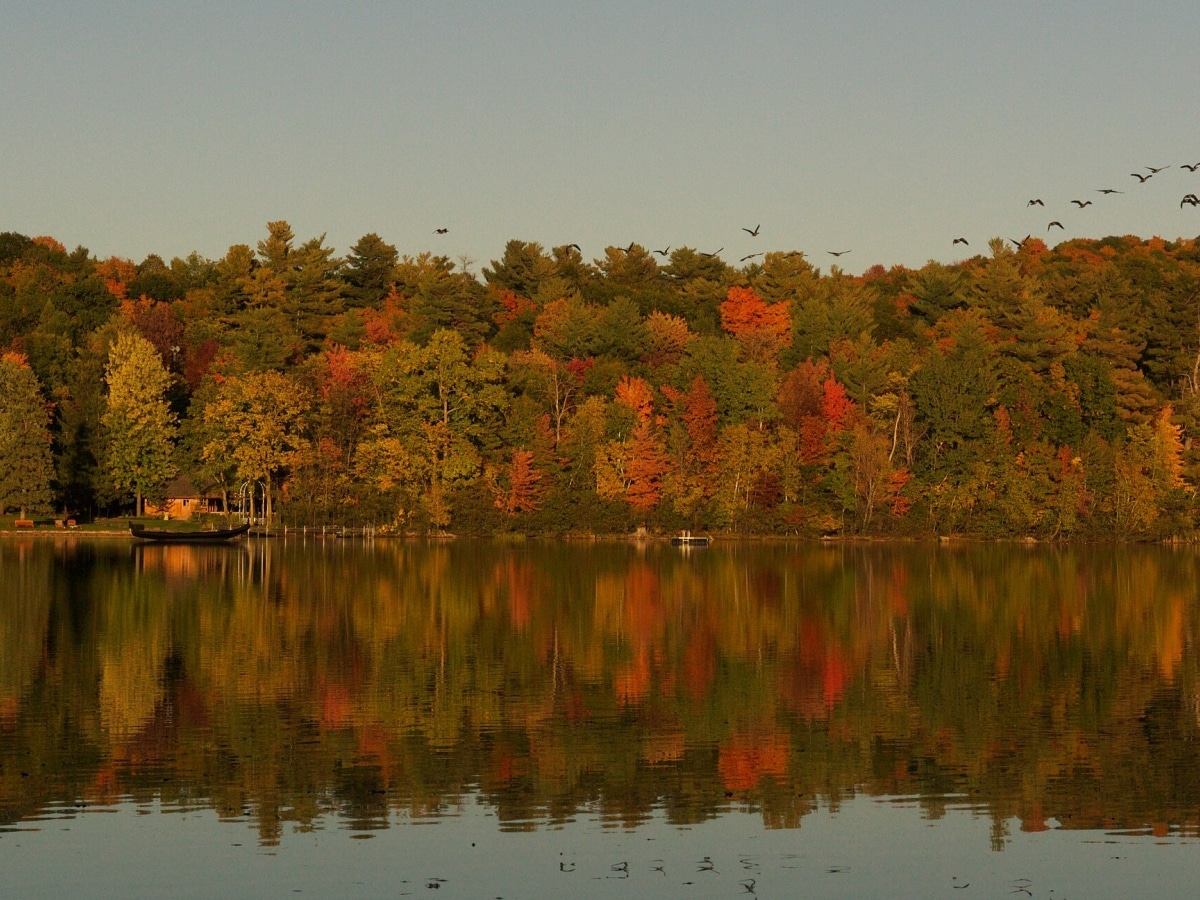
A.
x: 529, y: 720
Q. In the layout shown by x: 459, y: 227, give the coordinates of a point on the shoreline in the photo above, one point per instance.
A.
x: 44, y: 533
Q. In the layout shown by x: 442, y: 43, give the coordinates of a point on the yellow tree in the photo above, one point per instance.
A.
x: 139, y: 425
x: 436, y: 406
x: 256, y: 421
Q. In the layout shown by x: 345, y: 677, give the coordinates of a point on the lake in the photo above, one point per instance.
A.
x: 487, y: 719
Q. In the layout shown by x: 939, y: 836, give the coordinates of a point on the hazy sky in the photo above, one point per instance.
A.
x: 883, y: 128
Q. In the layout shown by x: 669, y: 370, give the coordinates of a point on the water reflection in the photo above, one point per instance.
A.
x: 298, y: 682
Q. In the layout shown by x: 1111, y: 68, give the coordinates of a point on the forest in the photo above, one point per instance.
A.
x: 1028, y: 392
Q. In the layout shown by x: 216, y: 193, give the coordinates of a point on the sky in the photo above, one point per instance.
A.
x: 886, y: 129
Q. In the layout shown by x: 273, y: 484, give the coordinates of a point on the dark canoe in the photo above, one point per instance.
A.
x: 188, y: 537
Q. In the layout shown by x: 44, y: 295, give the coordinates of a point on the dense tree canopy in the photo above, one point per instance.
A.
x: 1037, y: 392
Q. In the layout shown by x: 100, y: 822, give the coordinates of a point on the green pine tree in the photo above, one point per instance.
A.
x: 25, y: 463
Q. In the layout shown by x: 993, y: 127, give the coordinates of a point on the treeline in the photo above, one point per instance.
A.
x: 1032, y: 392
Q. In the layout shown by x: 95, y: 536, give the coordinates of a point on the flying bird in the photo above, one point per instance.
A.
x: 575, y: 247
x: 1082, y: 203
x: 960, y: 241
x: 1035, y: 202
x: 750, y: 256
x: 441, y: 230
x: 1190, y: 168
x: 1142, y: 179
x: 837, y: 252
x: 1190, y: 200
x: 1108, y: 191
x: 711, y: 255
x: 753, y: 233
x: 628, y: 249
x: 664, y: 252
x: 1154, y: 171
x: 1020, y: 243
x: 1052, y: 224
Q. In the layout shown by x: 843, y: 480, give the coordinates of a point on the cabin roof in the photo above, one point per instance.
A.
x: 181, y: 488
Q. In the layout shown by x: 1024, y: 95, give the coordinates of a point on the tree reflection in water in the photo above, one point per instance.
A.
x: 294, y: 682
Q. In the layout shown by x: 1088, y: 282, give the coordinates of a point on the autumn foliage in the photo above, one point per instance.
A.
x: 816, y: 406
x: 519, y: 490
x: 647, y: 465
x: 1043, y: 392
x: 763, y: 328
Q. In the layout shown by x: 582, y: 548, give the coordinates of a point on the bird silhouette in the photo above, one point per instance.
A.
x: 1052, y: 224
x: 1142, y: 179
x: 441, y: 230
x: 1035, y: 202
x: 1190, y: 200
x: 1082, y: 203
x: 1108, y: 191
x: 960, y: 241
x: 1020, y: 243
x: 575, y: 247
x: 1154, y: 171
x: 837, y: 252
x: 1192, y: 168
x: 750, y: 256
x: 629, y: 249
x: 664, y: 252
x: 753, y: 233
x: 711, y: 255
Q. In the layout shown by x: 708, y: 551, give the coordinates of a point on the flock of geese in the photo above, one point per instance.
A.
x: 666, y: 251
x: 1188, y: 200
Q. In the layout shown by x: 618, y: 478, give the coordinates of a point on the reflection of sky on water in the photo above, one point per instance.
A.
x: 868, y: 848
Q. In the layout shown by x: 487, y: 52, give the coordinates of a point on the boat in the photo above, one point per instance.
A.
x: 187, y: 537
x: 687, y: 539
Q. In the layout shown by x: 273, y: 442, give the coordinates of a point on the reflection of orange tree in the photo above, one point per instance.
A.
x: 816, y: 676
x: 745, y: 759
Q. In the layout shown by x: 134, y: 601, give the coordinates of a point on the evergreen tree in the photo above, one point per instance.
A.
x: 26, y: 466
x: 370, y: 271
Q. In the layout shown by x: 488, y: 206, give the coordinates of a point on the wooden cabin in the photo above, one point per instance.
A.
x: 184, y: 501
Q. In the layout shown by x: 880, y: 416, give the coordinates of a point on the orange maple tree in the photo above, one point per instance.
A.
x: 637, y: 394
x: 763, y: 328
x: 524, y: 491
x: 117, y: 273
x: 647, y: 465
